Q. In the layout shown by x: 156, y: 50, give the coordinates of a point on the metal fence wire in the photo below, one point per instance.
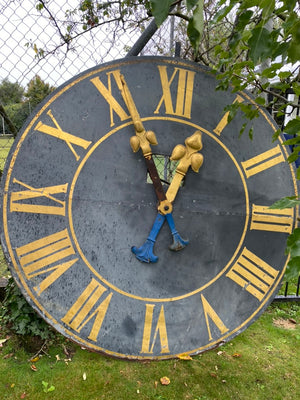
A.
x: 33, y: 44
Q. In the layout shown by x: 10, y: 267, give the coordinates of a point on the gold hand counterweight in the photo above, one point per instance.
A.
x: 189, y: 157
x: 143, y: 139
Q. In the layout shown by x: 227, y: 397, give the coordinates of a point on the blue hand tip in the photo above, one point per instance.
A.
x: 178, y: 243
x: 145, y: 252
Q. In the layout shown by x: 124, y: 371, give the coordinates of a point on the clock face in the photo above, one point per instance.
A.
x: 76, y: 199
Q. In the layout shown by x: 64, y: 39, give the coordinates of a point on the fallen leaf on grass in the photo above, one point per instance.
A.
x: 165, y: 380
x: 35, y: 359
x: 33, y: 367
x: 285, y: 323
x: 184, y: 356
x: 236, y: 355
x: 23, y: 395
x: 2, y: 341
x: 9, y: 355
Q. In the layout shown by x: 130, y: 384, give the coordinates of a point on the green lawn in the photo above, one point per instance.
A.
x: 5, y: 145
x: 262, y: 363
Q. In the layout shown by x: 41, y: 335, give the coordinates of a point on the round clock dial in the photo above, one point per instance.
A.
x: 76, y: 199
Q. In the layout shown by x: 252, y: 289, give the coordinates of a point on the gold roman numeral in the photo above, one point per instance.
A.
x: 161, y: 329
x: 265, y: 219
x: 224, y: 121
x: 106, y: 92
x: 45, y: 255
x: 88, y: 307
x: 253, y: 274
x: 60, y: 134
x: 184, y: 94
x: 263, y: 161
x: 210, y: 312
x: 17, y: 199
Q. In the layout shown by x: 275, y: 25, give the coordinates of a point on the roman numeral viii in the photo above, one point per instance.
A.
x: 18, y: 200
x: 45, y: 256
x: 184, y: 94
x: 253, y: 274
x: 89, y: 307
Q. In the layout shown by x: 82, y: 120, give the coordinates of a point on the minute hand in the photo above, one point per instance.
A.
x: 143, y: 139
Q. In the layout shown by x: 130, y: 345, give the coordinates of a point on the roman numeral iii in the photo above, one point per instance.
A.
x: 266, y: 219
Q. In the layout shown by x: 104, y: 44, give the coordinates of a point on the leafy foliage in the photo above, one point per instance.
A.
x: 10, y: 93
x: 20, y: 316
x: 17, y: 102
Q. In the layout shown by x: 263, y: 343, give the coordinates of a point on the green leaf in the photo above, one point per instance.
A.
x: 284, y: 74
x: 249, y: 3
x: 191, y: 4
x: 293, y: 127
x: 260, y: 45
x: 296, y: 88
x: 294, y: 52
x: 267, y: 7
x: 195, y: 25
x: 276, y: 135
x: 293, y: 240
x: 292, y: 268
x: 298, y: 174
x: 261, y: 101
x: 160, y: 10
x: 294, y: 156
x: 291, y: 142
x: 285, y: 202
x: 223, y: 12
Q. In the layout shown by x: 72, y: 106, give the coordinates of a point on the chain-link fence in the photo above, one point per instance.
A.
x: 34, y: 41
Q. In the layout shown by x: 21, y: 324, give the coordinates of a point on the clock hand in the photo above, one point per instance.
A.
x: 143, y: 139
x: 188, y: 156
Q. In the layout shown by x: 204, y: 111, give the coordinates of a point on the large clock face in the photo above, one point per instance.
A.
x: 76, y: 199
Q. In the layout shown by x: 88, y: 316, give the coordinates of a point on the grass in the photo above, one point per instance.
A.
x: 261, y: 363
x: 5, y: 145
